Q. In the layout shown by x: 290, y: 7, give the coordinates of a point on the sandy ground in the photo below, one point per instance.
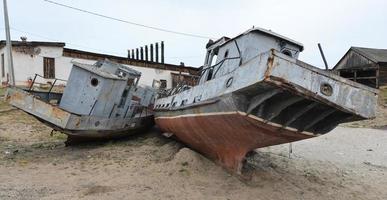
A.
x: 348, y: 163
x: 380, y: 122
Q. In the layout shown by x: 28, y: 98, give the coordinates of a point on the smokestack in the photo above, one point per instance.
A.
x: 132, y: 53
x: 151, y: 52
x: 146, y: 52
x: 142, y: 53
x: 137, y: 54
x: 162, y: 52
x: 157, y: 52
x: 128, y: 53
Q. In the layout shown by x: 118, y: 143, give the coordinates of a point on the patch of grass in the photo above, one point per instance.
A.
x: 59, y: 136
x: 4, y: 105
x: 383, y: 94
x: 2, y: 91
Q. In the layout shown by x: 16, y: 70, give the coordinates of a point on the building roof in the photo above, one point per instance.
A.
x: 375, y: 55
x: 98, y: 56
x: 372, y: 54
x: 33, y: 43
x: 74, y: 53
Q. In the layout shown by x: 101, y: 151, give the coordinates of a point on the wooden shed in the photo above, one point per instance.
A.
x: 364, y: 65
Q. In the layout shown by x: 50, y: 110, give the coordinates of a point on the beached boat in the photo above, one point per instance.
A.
x: 253, y: 92
x: 99, y: 101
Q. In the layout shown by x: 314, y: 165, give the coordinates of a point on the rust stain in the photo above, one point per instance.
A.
x: 270, y: 64
x: 58, y: 113
x: 217, y: 137
x: 135, y: 98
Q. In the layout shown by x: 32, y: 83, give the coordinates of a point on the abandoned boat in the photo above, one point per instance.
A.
x: 253, y: 92
x: 99, y: 101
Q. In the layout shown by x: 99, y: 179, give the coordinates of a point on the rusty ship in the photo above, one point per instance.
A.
x: 254, y: 92
x: 102, y: 100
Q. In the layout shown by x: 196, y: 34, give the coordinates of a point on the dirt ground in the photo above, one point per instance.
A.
x: 348, y: 163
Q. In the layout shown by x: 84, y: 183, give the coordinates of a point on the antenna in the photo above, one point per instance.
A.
x: 323, y: 56
x: 8, y: 45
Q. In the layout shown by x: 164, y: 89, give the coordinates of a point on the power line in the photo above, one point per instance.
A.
x: 51, y: 39
x: 83, y: 46
x: 128, y: 22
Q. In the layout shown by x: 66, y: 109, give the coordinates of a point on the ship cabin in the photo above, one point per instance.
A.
x: 225, y: 54
x: 104, y: 89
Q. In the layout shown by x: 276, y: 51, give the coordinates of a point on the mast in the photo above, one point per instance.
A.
x: 323, y: 56
x: 8, y: 45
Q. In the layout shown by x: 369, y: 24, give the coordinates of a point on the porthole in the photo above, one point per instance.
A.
x: 326, y: 89
x: 229, y: 82
x: 94, y: 82
x: 287, y: 52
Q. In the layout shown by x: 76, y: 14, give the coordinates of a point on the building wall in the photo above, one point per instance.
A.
x: 383, y: 75
x: 28, y: 62
x: 358, y: 68
x: 353, y: 59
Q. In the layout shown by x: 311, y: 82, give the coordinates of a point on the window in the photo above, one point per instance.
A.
x: 226, y: 54
x: 163, y: 84
x: 287, y: 52
x: 213, y: 60
x: 2, y: 66
x: 130, y: 82
x: 124, y: 96
x: 49, y: 67
x: 209, y: 75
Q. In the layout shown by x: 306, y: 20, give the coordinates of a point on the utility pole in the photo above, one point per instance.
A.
x: 8, y: 45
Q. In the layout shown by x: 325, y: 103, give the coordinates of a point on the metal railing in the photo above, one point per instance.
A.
x: 52, y: 85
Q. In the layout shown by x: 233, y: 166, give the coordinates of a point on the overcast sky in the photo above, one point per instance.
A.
x: 337, y: 25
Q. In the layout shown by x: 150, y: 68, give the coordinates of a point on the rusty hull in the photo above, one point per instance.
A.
x: 272, y: 100
x: 227, y: 137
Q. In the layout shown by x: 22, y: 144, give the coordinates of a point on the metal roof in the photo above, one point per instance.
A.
x: 271, y: 33
x: 125, y: 68
x: 223, y: 40
x: 96, y: 70
x: 375, y: 55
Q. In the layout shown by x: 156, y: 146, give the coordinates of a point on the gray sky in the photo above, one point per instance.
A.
x: 337, y: 25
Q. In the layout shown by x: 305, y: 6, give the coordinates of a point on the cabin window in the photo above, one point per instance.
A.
x: 49, y: 67
x: 287, y: 52
x: 130, y: 82
x: 210, y: 72
x: 213, y: 60
x: 2, y: 66
x: 163, y: 84
x: 184, y: 102
x: 124, y: 96
x: 226, y: 54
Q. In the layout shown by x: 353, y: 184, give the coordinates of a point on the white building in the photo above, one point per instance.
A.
x: 53, y: 60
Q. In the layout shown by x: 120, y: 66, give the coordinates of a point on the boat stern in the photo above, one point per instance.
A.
x: 36, y: 107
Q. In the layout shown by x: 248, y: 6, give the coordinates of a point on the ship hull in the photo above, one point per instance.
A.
x: 226, y: 137
x: 79, y: 127
x: 262, y: 103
